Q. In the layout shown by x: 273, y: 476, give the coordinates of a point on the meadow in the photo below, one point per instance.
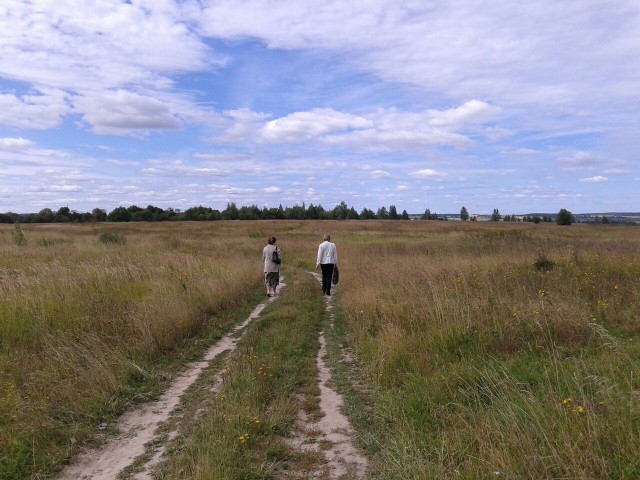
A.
x: 478, y: 350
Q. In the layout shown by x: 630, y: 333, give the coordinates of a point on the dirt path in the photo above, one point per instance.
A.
x: 140, y: 426
x: 333, y: 435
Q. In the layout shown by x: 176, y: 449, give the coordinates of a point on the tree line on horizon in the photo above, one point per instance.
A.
x: 341, y: 211
x: 232, y: 212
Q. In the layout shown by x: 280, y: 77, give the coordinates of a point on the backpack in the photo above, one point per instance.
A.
x: 275, y: 257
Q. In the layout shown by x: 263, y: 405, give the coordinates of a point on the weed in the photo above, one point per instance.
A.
x: 542, y: 263
x: 18, y: 236
x: 111, y: 238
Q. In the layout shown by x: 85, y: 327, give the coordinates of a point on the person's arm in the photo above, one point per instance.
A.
x: 319, y: 256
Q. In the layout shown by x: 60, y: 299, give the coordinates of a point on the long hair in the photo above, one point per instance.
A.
x: 271, y: 240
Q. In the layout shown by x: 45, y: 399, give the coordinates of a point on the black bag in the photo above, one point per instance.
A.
x: 275, y: 258
x: 336, y: 275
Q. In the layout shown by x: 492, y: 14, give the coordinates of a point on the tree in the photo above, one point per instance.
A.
x: 464, y: 214
x: 45, y: 215
x: 393, y: 213
x: 495, y: 216
x: 340, y: 211
x: 63, y: 215
x: 404, y: 215
x: 119, y: 214
x: 382, y: 213
x: 427, y: 215
x: 564, y: 217
x: 99, y: 215
x: 367, y: 214
x: 9, y: 217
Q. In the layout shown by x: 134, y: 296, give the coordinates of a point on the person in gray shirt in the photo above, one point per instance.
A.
x: 271, y: 267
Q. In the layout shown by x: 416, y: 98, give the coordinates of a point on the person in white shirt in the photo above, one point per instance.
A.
x: 327, y: 260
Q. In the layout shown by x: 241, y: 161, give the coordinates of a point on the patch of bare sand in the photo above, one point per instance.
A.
x: 333, y: 435
x: 139, y: 427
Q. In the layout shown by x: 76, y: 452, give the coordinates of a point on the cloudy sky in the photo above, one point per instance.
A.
x: 520, y: 106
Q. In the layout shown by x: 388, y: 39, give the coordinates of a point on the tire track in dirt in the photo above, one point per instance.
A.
x: 333, y: 435
x: 138, y: 427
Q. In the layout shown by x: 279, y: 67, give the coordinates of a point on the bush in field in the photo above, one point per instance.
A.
x: 111, y: 237
x: 17, y: 235
x: 543, y: 263
x: 564, y: 217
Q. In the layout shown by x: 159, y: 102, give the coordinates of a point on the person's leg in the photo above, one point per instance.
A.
x: 330, y: 277
x: 326, y: 279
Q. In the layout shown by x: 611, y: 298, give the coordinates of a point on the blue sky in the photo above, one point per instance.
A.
x: 419, y: 104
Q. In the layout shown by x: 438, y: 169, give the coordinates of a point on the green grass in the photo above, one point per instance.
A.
x: 86, y: 328
x: 470, y: 350
x: 240, y: 429
x: 478, y: 348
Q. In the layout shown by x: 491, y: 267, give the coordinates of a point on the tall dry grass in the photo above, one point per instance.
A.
x: 486, y: 364
x: 83, y: 324
x: 489, y: 350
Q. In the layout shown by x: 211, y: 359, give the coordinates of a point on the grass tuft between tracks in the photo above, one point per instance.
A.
x: 239, y: 428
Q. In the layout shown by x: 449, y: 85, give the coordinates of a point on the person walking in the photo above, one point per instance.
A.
x: 272, y: 259
x: 328, y: 261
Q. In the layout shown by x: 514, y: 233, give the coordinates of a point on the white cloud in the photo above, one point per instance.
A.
x: 38, y: 112
x: 402, y: 188
x: 232, y: 191
x: 221, y: 157
x: 56, y: 188
x: 503, y: 50
x: 302, y: 126
x: 470, y: 112
x: 425, y: 174
x: 15, y: 144
x: 582, y: 159
x: 380, y: 174
x: 381, y: 129
x: 79, y: 45
x: 595, y: 179
x: 125, y: 113
x: 184, y: 171
x: 272, y: 190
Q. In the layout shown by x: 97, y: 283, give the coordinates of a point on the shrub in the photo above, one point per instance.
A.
x: 111, y: 237
x: 17, y: 235
x: 543, y: 263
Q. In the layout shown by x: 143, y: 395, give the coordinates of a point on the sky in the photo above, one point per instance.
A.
x: 439, y: 104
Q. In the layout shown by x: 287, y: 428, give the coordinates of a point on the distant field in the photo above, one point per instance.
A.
x: 485, y: 350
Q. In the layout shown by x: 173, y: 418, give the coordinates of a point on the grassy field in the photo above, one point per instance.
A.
x: 483, y: 350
